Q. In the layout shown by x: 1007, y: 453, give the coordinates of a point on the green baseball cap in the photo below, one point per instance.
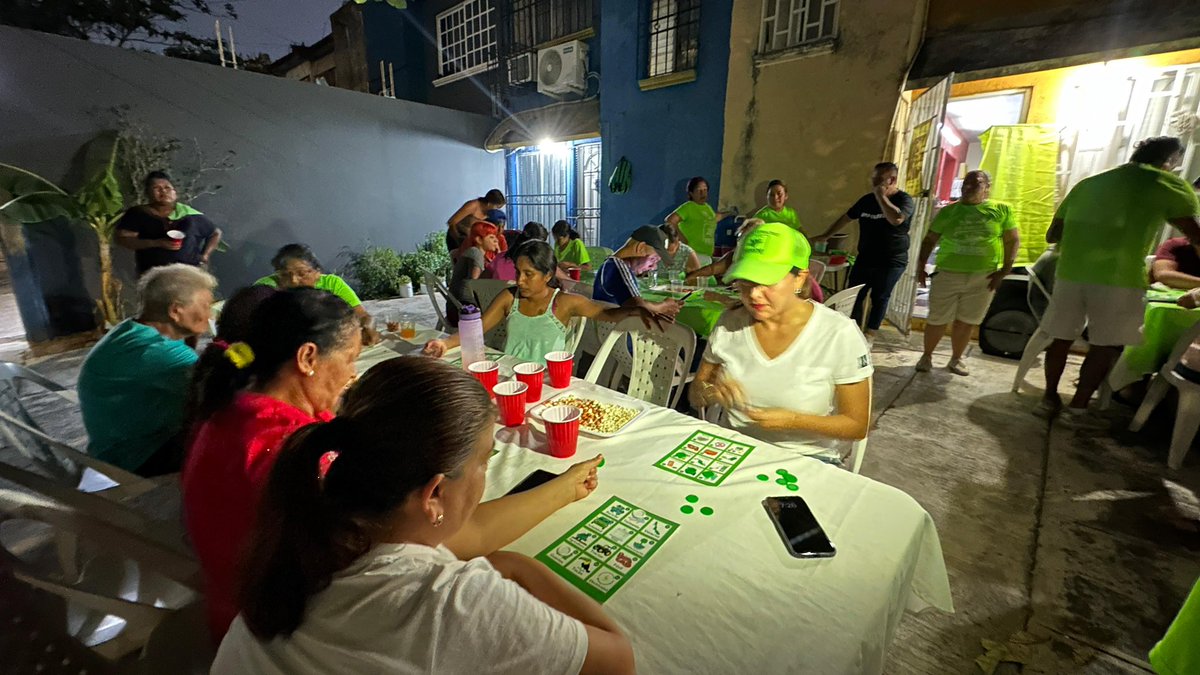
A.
x: 768, y: 253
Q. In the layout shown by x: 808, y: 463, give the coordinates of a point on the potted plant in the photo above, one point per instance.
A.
x: 406, y: 289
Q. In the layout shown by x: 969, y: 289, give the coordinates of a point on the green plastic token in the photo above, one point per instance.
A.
x: 781, y: 472
x: 763, y: 477
x: 602, y: 461
x: 686, y: 509
x: 781, y: 481
x: 792, y: 486
x: 692, y: 499
x: 706, y: 511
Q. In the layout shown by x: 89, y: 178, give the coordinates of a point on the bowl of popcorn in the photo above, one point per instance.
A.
x: 598, y: 417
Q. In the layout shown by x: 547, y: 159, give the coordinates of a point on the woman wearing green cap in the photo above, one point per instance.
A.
x: 788, y: 371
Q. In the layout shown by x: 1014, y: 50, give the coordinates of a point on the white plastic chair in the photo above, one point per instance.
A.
x: 1187, y: 416
x: 1038, y: 342
x: 843, y: 301
x: 439, y: 295
x: 575, y: 331
x: 485, y: 291
x: 123, y: 593
x: 816, y: 270
x: 654, y: 373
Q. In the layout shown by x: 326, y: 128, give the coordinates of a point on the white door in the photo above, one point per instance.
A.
x: 921, y: 154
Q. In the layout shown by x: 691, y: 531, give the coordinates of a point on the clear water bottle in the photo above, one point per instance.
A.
x: 470, y: 335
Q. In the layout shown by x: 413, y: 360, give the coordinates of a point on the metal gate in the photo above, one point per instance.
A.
x: 557, y: 182
x: 922, y: 153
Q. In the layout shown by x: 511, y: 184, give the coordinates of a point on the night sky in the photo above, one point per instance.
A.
x: 270, y: 26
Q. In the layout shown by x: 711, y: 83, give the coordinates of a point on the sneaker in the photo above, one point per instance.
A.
x: 1081, y: 419
x: 925, y: 364
x: 1048, y: 408
x: 958, y: 367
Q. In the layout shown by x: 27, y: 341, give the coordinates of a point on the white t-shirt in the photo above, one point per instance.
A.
x: 829, y: 351
x: 406, y: 608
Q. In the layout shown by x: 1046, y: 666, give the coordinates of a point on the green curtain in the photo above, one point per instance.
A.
x: 1023, y: 160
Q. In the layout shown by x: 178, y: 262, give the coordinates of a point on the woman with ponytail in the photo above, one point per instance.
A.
x: 361, y: 568
x: 249, y: 395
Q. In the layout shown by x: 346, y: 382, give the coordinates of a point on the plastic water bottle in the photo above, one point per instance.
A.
x: 470, y: 335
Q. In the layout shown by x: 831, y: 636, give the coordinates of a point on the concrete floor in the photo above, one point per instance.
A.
x: 1067, y: 552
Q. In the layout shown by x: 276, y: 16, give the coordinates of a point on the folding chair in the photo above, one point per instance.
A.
x: 439, y: 295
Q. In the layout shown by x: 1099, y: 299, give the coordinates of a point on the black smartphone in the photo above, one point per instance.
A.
x: 533, y: 480
x: 796, y: 524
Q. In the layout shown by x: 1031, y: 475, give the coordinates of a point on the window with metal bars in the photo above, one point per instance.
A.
x: 670, y: 36
x: 536, y: 22
x: 794, y: 23
x: 466, y: 41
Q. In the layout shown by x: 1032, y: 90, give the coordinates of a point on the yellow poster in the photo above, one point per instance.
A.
x: 917, y: 146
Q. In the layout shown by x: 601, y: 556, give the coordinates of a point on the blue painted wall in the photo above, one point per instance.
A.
x: 669, y: 134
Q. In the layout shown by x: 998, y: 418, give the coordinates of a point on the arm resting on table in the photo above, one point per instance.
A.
x: 499, y: 522
x: 1167, y: 272
x: 852, y: 421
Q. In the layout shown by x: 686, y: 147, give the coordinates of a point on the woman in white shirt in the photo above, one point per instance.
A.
x: 788, y: 371
x: 355, y: 570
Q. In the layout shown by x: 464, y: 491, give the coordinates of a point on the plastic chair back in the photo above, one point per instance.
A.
x: 439, y: 295
x: 485, y: 291
x: 654, y: 375
x: 843, y: 301
x: 816, y: 270
x: 575, y: 331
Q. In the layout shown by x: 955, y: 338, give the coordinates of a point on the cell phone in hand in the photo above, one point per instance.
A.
x: 533, y: 480
x: 798, y: 527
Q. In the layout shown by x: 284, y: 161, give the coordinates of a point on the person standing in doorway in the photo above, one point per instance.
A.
x: 883, y: 217
x: 164, y: 231
x: 1103, y: 230
x: 468, y: 214
x: 695, y: 219
x: 979, y: 242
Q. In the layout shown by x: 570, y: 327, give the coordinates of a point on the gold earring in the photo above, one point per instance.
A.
x: 440, y: 518
x: 311, y: 373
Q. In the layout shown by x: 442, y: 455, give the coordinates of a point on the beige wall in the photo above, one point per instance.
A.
x: 818, y: 122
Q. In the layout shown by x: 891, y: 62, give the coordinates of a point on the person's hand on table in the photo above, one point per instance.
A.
x: 1188, y: 300
x: 997, y: 277
x: 434, y: 348
x: 580, y: 480
x: 370, y: 336
x: 724, y: 391
x: 667, y: 309
x: 770, y: 418
x: 650, y: 319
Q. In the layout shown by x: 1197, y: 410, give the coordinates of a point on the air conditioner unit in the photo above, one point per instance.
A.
x: 522, y: 68
x: 562, y: 69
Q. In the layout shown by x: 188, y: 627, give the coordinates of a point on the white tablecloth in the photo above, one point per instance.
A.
x: 723, y: 595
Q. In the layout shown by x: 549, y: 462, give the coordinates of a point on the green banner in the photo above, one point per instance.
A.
x: 1022, y: 160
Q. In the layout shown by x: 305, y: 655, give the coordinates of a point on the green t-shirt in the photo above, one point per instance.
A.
x: 328, y: 282
x: 1110, y: 221
x: 574, y: 252
x: 132, y: 389
x: 1178, y: 653
x: 971, y: 236
x: 786, y: 215
x: 698, y: 222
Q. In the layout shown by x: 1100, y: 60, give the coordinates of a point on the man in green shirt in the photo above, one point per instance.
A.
x: 134, y: 383
x: 1104, y: 229
x: 979, y: 241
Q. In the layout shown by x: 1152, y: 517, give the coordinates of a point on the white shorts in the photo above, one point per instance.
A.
x: 957, y: 296
x: 1113, y: 315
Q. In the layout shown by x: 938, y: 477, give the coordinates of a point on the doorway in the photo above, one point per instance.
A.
x: 556, y: 181
x: 967, y: 119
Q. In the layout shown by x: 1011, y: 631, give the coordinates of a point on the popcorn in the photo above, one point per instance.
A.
x: 604, y: 418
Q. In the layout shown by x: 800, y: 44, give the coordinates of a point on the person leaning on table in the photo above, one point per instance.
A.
x: 787, y: 370
x: 395, y: 577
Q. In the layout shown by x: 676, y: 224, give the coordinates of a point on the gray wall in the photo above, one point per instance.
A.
x: 319, y: 165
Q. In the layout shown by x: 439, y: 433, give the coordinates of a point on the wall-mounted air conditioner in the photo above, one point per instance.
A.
x: 562, y: 69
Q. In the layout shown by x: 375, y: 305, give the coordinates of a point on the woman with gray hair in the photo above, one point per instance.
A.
x: 134, y: 382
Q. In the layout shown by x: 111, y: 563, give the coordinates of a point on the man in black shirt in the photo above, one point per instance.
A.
x: 164, y: 231
x: 883, y: 219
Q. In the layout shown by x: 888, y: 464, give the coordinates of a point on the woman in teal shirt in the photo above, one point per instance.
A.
x: 297, y: 267
x: 695, y: 219
x: 776, y: 210
x: 537, y: 314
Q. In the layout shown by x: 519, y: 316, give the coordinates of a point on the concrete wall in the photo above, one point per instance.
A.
x: 319, y: 165
x: 818, y: 122
x: 668, y: 134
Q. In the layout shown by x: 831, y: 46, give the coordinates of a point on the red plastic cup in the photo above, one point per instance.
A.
x: 560, y: 364
x: 562, y: 429
x: 510, y: 397
x: 177, y: 237
x: 574, y: 273
x: 532, y: 375
x: 487, y: 372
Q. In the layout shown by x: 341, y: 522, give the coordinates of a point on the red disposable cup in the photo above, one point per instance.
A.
x: 562, y: 429
x: 487, y: 372
x: 532, y: 375
x: 560, y: 364
x: 510, y: 397
x: 574, y: 273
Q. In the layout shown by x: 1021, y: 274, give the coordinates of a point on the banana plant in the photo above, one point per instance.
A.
x: 27, y: 198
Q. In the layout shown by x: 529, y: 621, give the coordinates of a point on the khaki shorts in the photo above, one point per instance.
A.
x: 1113, y: 315
x: 956, y: 296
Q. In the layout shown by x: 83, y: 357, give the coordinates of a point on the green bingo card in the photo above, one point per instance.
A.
x: 705, y: 458
x: 604, y: 550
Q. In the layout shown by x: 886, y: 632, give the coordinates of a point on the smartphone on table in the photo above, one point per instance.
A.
x: 796, y: 524
x: 533, y: 480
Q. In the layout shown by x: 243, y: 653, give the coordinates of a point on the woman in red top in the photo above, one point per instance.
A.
x: 296, y: 359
